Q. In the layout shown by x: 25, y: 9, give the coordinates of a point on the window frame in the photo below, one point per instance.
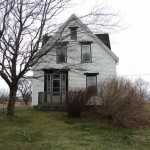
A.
x: 73, y: 33
x: 57, y: 52
x: 50, y: 72
x: 91, y: 75
x: 86, y: 43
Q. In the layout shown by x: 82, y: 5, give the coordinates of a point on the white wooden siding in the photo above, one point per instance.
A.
x: 102, y: 63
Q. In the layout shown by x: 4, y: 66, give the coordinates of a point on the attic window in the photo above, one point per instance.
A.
x: 73, y: 33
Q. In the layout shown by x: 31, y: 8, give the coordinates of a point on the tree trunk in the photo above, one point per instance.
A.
x: 12, y: 99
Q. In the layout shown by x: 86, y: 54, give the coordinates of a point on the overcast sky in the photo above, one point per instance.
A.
x: 131, y: 45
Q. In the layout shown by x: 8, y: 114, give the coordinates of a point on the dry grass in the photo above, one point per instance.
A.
x: 123, y: 103
x: 18, y: 105
x: 55, y: 131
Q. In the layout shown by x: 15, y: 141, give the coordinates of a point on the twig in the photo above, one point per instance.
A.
x: 24, y: 134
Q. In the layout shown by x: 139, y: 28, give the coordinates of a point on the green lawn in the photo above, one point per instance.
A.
x: 54, y: 131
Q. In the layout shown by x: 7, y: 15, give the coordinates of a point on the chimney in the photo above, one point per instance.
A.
x: 45, y: 39
x: 105, y: 39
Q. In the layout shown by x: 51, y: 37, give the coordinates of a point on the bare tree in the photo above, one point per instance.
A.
x: 23, y: 24
x: 25, y: 88
x: 5, y: 8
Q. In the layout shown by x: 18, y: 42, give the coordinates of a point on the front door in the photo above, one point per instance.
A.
x: 56, y: 90
x: 55, y: 87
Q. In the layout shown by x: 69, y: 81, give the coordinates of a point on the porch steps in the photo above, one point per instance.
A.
x: 52, y: 107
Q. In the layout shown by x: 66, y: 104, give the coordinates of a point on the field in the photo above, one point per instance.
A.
x: 18, y: 105
x: 37, y: 130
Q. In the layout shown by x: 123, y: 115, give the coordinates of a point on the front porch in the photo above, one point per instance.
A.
x: 51, y: 101
x: 55, y: 87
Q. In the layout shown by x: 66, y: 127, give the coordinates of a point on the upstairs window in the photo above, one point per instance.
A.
x: 61, y: 54
x: 73, y: 33
x: 86, y: 52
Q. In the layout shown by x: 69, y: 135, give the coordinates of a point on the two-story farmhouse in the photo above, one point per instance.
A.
x: 77, y: 58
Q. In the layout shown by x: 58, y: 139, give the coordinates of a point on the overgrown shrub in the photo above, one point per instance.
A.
x: 123, y: 102
x: 76, y: 101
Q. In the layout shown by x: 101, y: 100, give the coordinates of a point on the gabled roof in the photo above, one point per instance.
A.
x: 105, y: 39
x: 55, y: 37
x: 74, y: 17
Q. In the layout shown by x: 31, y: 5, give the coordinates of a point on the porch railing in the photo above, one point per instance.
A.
x: 51, y: 98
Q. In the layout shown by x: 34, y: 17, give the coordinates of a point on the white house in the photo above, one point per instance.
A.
x: 76, y: 58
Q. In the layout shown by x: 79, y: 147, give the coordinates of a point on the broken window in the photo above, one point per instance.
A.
x: 73, y: 33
